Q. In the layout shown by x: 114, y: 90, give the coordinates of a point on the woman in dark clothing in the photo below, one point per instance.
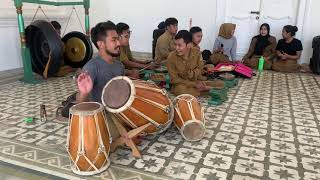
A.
x: 261, y: 45
x: 288, y: 51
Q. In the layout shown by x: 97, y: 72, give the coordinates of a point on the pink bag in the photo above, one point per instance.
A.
x: 238, y: 68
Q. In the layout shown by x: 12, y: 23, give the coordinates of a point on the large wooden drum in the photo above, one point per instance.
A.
x: 138, y: 103
x: 189, y: 117
x: 88, y: 141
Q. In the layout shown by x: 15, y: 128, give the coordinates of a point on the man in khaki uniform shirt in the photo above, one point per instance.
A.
x: 185, y: 67
x: 126, y: 57
x: 165, y: 43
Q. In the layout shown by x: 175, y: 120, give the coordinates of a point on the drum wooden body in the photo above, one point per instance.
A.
x: 89, y: 140
x: 138, y: 102
x: 189, y: 117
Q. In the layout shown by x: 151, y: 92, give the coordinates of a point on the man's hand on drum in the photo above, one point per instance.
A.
x: 85, y: 85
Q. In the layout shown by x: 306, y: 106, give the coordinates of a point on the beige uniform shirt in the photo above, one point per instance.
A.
x: 165, y: 45
x: 125, y: 53
x: 186, y: 70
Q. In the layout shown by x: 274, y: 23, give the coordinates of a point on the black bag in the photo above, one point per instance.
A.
x: 315, y: 60
x: 66, y: 105
x: 206, y: 56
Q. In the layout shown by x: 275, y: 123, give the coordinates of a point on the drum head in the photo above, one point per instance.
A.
x: 193, y: 131
x: 86, y: 107
x: 116, y: 93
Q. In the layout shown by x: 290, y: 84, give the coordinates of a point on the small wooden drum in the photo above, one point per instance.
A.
x: 138, y: 103
x: 189, y: 117
x: 88, y: 141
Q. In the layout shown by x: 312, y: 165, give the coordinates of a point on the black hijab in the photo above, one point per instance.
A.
x: 262, y: 41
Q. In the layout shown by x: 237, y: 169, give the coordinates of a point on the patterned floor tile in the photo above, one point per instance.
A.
x: 12, y: 132
x: 257, y: 123
x: 254, y: 142
x: 249, y: 167
x: 179, y: 170
x: 310, y: 151
x: 161, y: 149
x: 309, y: 140
x: 281, y: 127
x: 283, y: 146
x: 251, y: 153
x: 122, y: 156
x: 305, y: 122
x: 281, y: 173
x: 217, y: 161
x: 311, y: 176
x: 307, y: 131
x: 254, y: 135
x: 227, y: 137
x: 150, y: 163
x: 231, y: 128
x: 202, y: 144
x: 258, y: 132
x: 205, y: 174
x: 31, y: 136
x: 234, y: 120
x: 188, y: 155
x: 283, y: 159
x: 223, y: 148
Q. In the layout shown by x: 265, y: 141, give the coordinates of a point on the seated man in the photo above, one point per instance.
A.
x: 125, y: 52
x: 185, y: 67
x: 196, y: 36
x: 99, y: 70
x: 165, y: 43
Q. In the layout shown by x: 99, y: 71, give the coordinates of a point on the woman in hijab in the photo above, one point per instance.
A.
x: 225, y: 46
x: 289, y: 51
x: 261, y: 45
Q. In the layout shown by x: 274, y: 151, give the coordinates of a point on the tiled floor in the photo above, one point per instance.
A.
x: 268, y: 129
x: 12, y: 172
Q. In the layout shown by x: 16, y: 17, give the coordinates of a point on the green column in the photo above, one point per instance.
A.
x: 25, y: 52
x: 86, y: 4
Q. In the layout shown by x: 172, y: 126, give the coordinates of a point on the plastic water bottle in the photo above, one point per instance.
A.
x: 261, y: 63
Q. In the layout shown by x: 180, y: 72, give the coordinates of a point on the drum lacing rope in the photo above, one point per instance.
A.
x: 73, y: 10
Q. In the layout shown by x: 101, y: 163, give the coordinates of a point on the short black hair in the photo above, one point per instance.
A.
x: 122, y: 27
x: 185, y: 35
x: 56, y: 24
x: 171, y: 21
x: 162, y: 25
x: 195, y: 29
x: 99, y: 32
x: 291, y: 29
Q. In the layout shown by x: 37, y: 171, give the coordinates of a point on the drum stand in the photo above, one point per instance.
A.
x: 126, y: 138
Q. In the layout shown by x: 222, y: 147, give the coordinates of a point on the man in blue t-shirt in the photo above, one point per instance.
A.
x: 99, y: 70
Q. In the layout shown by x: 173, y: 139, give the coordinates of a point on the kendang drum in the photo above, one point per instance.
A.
x: 137, y: 103
x: 89, y: 140
x: 189, y: 117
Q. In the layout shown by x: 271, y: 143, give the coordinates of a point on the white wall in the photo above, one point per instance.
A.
x: 143, y: 16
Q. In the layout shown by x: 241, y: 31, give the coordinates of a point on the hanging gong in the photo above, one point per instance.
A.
x: 44, y: 44
x: 77, y: 49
